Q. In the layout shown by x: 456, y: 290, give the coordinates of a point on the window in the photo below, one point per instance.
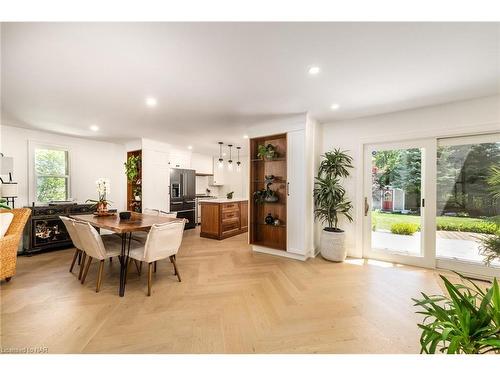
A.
x: 51, y: 174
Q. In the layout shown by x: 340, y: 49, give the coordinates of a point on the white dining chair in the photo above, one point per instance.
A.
x: 96, y: 247
x: 171, y: 215
x: 163, y: 241
x: 151, y: 211
x: 70, y: 227
x: 142, y: 236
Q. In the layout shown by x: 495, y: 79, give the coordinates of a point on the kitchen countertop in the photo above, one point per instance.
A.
x: 224, y: 200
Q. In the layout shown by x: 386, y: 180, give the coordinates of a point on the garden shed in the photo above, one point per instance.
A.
x: 392, y: 199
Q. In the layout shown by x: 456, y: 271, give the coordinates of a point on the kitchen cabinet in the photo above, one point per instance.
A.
x: 218, y: 174
x: 202, y: 164
x: 155, y: 178
x: 180, y: 158
x: 223, y: 218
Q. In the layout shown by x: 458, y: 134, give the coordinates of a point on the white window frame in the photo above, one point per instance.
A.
x: 33, y: 145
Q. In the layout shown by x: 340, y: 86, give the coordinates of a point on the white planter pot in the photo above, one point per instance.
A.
x: 332, y: 246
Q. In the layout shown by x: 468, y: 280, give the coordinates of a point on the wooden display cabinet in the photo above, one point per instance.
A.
x: 262, y: 234
x: 132, y: 203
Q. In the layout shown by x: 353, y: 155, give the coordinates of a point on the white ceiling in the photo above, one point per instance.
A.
x: 213, y: 80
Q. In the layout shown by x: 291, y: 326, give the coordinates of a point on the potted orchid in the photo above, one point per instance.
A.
x: 103, y: 189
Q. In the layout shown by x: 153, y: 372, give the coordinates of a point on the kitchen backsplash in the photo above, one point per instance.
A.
x: 202, y: 185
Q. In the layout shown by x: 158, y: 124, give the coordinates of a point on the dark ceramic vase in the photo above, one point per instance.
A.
x: 269, y: 219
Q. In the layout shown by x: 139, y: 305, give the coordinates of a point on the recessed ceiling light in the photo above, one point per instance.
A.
x: 190, y: 147
x: 314, y: 70
x: 334, y: 106
x: 151, y: 102
x: 245, y: 136
x: 94, y: 128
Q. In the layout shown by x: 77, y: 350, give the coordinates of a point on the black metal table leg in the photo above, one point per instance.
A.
x: 125, y: 250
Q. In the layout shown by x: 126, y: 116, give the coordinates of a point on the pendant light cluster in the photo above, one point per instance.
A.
x: 230, y: 163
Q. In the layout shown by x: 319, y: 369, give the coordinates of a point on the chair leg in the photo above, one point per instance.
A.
x: 172, y: 258
x: 150, y: 277
x: 99, y: 276
x: 137, y: 266
x: 155, y: 266
x: 80, y: 257
x: 77, y: 252
x: 87, y: 266
x: 82, y: 265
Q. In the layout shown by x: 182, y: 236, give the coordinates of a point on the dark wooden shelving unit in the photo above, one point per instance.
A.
x: 132, y: 204
x: 262, y: 234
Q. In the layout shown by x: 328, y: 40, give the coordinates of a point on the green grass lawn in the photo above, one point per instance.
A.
x: 384, y: 221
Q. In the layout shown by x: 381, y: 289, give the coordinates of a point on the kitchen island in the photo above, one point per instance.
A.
x: 223, y: 218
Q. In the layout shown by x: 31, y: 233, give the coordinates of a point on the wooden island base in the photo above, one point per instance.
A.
x: 223, y: 218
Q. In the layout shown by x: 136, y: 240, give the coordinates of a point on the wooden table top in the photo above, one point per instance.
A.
x: 137, y: 222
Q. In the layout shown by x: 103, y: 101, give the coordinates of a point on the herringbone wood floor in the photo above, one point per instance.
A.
x: 231, y: 300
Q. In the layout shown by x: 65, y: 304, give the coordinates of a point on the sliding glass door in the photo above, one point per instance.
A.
x: 395, y: 226
x: 433, y: 203
x: 467, y: 206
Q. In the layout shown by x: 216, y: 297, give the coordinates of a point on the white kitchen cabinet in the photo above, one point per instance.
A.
x: 155, y: 179
x: 179, y: 158
x: 202, y: 164
x: 218, y: 177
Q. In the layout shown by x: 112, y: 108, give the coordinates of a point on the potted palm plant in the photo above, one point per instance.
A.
x: 330, y: 201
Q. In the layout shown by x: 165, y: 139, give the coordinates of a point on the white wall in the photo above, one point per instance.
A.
x: 235, y: 181
x: 459, y: 118
x: 89, y: 160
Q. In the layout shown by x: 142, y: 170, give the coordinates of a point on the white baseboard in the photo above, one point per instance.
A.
x: 284, y: 254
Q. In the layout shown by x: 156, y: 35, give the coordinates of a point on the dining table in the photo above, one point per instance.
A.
x: 124, y: 228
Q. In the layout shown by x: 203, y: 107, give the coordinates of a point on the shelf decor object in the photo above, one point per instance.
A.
x: 269, y: 201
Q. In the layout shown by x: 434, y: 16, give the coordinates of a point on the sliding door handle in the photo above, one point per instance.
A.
x: 287, y: 188
x: 367, y: 206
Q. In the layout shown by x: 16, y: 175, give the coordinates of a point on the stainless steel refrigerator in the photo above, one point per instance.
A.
x: 183, y: 194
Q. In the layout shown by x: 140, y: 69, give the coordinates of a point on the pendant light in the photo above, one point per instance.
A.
x: 238, y: 163
x: 221, y: 161
x: 230, y: 162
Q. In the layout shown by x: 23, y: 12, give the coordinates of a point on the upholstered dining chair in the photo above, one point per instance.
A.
x: 96, y: 247
x: 171, y: 215
x: 163, y: 241
x: 150, y: 211
x: 70, y: 227
x: 141, y: 236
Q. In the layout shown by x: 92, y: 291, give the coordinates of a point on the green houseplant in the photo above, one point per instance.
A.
x: 267, y: 152
x: 467, y: 320
x: 330, y: 202
x: 132, y: 167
